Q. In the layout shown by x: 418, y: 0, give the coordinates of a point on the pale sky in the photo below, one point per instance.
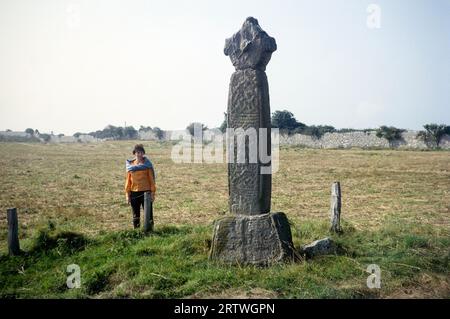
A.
x: 74, y: 65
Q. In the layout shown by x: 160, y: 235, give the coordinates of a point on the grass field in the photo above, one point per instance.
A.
x: 72, y: 209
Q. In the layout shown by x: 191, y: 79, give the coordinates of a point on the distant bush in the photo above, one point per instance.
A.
x: 130, y: 132
x: 29, y: 131
x: 433, y: 133
x: 389, y: 133
x: 115, y: 132
x: 145, y: 128
x: 316, y: 131
x: 158, y: 132
x: 223, y: 126
x: 286, y: 122
x: 191, y: 127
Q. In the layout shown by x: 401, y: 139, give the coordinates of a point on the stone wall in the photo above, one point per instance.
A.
x: 14, y: 134
x: 83, y: 138
x: 328, y: 140
x: 364, y: 140
x: 359, y: 140
x: 147, y: 135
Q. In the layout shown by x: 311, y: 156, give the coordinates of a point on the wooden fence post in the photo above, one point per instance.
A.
x: 148, y: 213
x: 13, y: 232
x: 335, y: 209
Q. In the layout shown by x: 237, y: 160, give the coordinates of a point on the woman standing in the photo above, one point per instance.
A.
x: 140, y: 178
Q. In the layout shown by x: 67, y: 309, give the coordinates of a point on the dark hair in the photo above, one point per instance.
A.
x: 138, y: 147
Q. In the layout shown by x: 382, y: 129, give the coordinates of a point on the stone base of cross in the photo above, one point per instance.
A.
x: 257, y: 240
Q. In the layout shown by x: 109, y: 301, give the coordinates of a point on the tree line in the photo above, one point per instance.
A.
x: 284, y: 120
x: 123, y: 133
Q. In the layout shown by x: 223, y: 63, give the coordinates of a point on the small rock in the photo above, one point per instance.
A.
x: 320, y: 247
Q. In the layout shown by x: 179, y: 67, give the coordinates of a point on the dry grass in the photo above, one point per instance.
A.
x: 80, y: 186
x: 395, y: 213
x: 376, y: 185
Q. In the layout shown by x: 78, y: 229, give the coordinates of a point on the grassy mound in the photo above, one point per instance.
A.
x: 173, y: 263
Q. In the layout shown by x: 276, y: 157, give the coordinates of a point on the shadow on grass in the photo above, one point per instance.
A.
x: 65, y: 241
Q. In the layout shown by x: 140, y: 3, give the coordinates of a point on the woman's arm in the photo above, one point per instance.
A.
x: 128, y: 185
x: 150, y: 175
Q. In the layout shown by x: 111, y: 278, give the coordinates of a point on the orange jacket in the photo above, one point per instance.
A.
x: 141, y: 180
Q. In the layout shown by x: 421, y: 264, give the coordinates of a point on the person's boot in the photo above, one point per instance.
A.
x: 136, y: 223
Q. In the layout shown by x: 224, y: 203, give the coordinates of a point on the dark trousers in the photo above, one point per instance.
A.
x: 137, y: 200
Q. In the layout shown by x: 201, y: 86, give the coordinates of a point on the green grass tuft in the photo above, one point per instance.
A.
x: 173, y: 262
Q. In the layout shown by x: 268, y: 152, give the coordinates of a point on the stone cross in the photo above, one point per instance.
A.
x: 250, y: 50
x: 251, y: 234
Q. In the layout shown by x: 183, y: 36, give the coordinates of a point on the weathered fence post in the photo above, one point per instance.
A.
x: 335, y: 209
x: 13, y: 232
x: 148, y: 213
